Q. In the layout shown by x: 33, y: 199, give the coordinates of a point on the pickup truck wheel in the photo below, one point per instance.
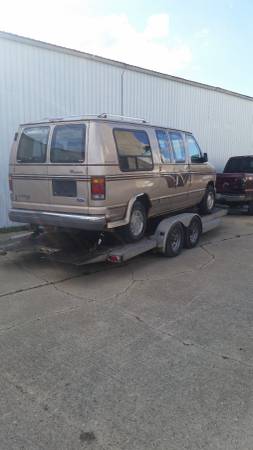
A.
x: 175, y: 240
x: 193, y: 233
x: 136, y: 228
x: 250, y: 210
x: 207, y: 204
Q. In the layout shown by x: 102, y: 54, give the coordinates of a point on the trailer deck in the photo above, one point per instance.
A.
x: 79, y: 254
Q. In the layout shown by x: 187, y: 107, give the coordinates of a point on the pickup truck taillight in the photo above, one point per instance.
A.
x: 10, y: 184
x: 98, y: 188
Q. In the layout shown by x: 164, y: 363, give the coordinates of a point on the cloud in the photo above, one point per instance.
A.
x: 74, y: 24
x: 202, y: 34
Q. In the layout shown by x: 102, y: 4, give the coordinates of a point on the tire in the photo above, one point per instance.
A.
x: 250, y: 210
x: 136, y: 228
x: 207, y: 204
x: 193, y: 233
x: 174, y: 241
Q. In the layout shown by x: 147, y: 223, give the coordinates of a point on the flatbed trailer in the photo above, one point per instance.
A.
x: 168, y: 238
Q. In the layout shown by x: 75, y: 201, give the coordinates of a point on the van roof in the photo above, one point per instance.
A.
x: 104, y: 117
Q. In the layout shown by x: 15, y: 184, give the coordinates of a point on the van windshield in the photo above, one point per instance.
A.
x: 33, y: 145
x: 239, y: 164
x: 68, y: 144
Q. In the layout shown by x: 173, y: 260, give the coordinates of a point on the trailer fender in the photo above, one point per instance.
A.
x: 165, y: 225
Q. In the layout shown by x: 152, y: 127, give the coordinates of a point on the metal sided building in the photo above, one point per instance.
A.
x: 39, y: 80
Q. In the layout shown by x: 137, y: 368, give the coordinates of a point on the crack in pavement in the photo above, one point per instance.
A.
x: 237, y: 236
x: 188, y: 271
x: 211, y: 255
x: 4, y: 330
x: 37, y: 286
x: 62, y: 280
x: 93, y: 299
x: 158, y: 332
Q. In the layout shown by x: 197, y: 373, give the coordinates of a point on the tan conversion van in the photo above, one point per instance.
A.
x: 105, y: 172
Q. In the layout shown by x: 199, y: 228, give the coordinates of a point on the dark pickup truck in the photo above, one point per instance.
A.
x: 235, y: 185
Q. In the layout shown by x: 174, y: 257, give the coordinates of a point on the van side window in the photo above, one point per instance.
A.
x: 68, y: 144
x: 133, y: 149
x: 164, y: 145
x: 193, y: 149
x: 178, y: 146
x: 33, y: 145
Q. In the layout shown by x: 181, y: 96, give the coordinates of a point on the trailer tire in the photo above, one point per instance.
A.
x: 207, y: 203
x: 193, y: 232
x: 174, y: 241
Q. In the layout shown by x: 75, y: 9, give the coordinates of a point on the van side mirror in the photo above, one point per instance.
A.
x: 205, y: 157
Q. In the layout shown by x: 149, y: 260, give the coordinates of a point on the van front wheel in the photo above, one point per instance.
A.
x: 136, y: 227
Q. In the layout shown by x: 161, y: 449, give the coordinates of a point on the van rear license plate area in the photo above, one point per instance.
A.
x: 64, y: 188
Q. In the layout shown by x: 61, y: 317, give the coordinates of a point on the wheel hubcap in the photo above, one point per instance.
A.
x: 175, y: 239
x: 210, y: 200
x: 194, y: 232
x: 136, y: 223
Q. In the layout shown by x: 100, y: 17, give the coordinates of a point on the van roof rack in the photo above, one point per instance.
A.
x: 65, y: 118
x: 99, y: 116
x: 121, y: 117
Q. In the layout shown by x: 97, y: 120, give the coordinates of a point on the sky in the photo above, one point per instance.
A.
x: 209, y: 41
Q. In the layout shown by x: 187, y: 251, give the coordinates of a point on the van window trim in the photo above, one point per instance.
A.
x: 186, y: 145
x: 182, y: 134
x: 116, y: 145
x: 53, y: 127
x: 47, y: 146
x: 172, y: 158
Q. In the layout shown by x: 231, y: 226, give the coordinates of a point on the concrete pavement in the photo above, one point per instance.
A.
x: 157, y: 354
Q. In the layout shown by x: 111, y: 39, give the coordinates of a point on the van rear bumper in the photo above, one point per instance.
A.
x: 83, y: 222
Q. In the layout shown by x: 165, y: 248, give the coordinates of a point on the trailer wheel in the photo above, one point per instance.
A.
x: 174, y: 241
x: 193, y: 232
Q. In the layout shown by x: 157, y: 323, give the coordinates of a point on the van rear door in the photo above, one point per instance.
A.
x: 67, y: 168
x: 29, y: 175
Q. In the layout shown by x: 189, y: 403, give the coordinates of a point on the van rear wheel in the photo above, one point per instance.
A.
x: 137, y: 225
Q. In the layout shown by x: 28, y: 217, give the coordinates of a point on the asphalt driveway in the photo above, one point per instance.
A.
x: 157, y: 354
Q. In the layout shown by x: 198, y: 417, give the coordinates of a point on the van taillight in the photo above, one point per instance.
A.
x: 10, y: 184
x: 98, y: 188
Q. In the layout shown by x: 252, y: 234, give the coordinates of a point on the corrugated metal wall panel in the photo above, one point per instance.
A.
x: 37, y: 82
x: 222, y: 123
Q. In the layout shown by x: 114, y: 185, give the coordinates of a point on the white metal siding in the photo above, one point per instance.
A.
x: 222, y: 124
x: 37, y: 82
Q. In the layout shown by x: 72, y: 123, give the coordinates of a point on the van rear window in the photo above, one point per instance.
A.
x: 33, y: 145
x: 68, y: 144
